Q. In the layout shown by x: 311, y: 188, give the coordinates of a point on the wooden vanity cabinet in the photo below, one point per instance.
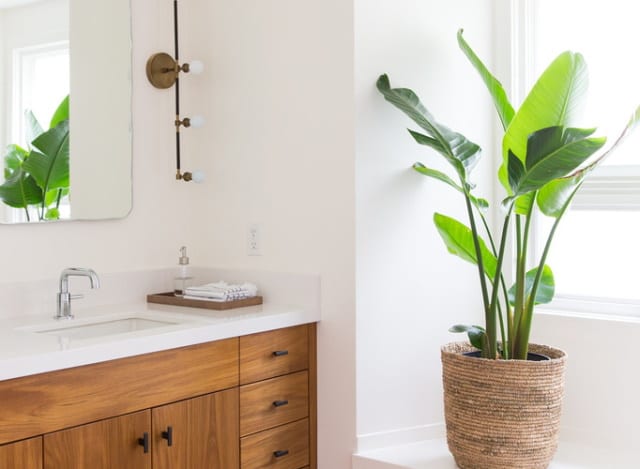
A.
x: 200, y: 433
x: 25, y: 454
x: 239, y: 403
x: 109, y: 443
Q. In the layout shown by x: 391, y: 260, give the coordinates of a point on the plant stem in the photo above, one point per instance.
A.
x: 523, y: 342
x: 505, y: 344
x: 521, y: 338
x: 490, y: 319
x: 493, y: 306
x: 509, y: 315
x: 519, y: 288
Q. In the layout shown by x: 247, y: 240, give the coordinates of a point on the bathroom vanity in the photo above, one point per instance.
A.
x: 243, y: 401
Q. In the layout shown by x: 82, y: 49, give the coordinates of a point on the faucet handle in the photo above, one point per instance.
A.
x: 76, y: 297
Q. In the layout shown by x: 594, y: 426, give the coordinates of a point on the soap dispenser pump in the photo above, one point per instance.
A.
x: 183, y: 279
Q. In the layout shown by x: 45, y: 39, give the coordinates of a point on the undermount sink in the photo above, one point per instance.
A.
x: 105, y: 328
x: 110, y: 324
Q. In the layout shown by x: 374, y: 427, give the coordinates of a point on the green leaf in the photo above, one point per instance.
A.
x: 20, y: 191
x: 555, y: 196
x: 500, y: 100
x: 460, y: 152
x: 13, y: 160
x: 552, y: 153
x: 61, y: 113
x: 476, y: 334
x: 428, y: 141
x: 459, y: 241
x: 50, y: 166
x: 554, y: 100
x: 479, y: 203
x: 52, y: 214
x: 516, y: 170
x: 546, y: 287
x: 34, y: 129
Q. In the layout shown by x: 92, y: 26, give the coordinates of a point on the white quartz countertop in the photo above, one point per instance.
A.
x: 24, y: 351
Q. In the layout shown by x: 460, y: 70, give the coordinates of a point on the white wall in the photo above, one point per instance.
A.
x: 600, y: 407
x: 278, y: 150
x: 409, y: 290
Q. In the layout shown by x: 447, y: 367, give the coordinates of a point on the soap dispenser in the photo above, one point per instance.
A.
x: 183, y: 278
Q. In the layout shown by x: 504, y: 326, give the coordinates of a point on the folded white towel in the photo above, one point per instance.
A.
x: 202, y: 298
x: 221, y: 291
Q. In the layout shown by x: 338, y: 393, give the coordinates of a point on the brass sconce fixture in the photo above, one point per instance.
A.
x: 163, y: 72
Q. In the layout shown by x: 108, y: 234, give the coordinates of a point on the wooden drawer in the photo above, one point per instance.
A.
x: 274, y: 402
x: 274, y: 353
x: 285, y: 447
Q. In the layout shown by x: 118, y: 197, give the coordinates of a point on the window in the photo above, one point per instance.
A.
x: 595, y: 253
x: 41, y: 81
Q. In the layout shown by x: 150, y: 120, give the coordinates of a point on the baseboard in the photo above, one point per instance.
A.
x: 401, y: 436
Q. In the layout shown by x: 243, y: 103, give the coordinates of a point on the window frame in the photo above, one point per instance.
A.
x: 614, y: 187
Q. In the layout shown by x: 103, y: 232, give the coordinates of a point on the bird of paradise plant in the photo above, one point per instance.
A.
x: 545, y: 160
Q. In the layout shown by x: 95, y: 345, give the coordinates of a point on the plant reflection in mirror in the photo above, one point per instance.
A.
x: 37, y: 178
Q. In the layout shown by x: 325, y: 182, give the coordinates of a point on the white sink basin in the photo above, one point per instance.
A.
x: 105, y: 328
x: 109, y: 325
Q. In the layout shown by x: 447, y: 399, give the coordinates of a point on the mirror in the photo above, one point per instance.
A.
x: 65, y: 158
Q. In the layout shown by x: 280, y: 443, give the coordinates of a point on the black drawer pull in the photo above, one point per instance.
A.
x: 280, y: 453
x: 280, y: 353
x: 144, y: 442
x: 168, y: 435
x: 280, y: 403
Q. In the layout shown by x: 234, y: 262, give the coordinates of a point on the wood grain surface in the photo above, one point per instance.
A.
x: 257, y: 359
x: 47, y: 402
x: 257, y: 402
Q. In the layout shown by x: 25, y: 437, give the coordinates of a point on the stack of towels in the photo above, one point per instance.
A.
x: 221, y: 291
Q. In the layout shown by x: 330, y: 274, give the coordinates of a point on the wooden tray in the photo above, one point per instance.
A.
x: 170, y: 299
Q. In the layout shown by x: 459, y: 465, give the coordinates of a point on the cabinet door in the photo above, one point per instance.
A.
x: 107, y: 444
x: 26, y: 454
x: 197, y: 433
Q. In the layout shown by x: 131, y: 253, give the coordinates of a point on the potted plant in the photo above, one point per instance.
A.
x: 502, y: 406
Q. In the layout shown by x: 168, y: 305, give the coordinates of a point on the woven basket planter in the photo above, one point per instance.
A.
x: 502, y: 414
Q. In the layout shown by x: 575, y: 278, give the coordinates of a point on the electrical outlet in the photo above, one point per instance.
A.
x: 253, y: 240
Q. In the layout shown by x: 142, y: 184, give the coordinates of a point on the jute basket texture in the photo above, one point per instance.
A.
x: 502, y: 414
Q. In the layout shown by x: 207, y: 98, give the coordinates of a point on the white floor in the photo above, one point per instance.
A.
x: 433, y: 454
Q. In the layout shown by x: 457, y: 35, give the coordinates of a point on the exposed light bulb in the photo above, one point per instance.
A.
x: 195, y: 66
x: 198, y: 176
x: 196, y: 121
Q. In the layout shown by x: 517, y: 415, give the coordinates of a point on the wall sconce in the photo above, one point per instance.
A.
x: 163, y: 72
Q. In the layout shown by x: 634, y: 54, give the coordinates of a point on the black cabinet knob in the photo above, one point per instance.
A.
x: 280, y: 453
x: 168, y: 435
x: 280, y: 353
x: 280, y: 403
x: 144, y: 442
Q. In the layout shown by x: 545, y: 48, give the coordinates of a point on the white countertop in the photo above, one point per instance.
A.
x: 25, y: 352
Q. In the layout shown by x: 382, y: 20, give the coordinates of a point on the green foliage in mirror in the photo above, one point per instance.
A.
x: 37, y: 178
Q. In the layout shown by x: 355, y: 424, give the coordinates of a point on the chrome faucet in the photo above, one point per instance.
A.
x: 64, y: 297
